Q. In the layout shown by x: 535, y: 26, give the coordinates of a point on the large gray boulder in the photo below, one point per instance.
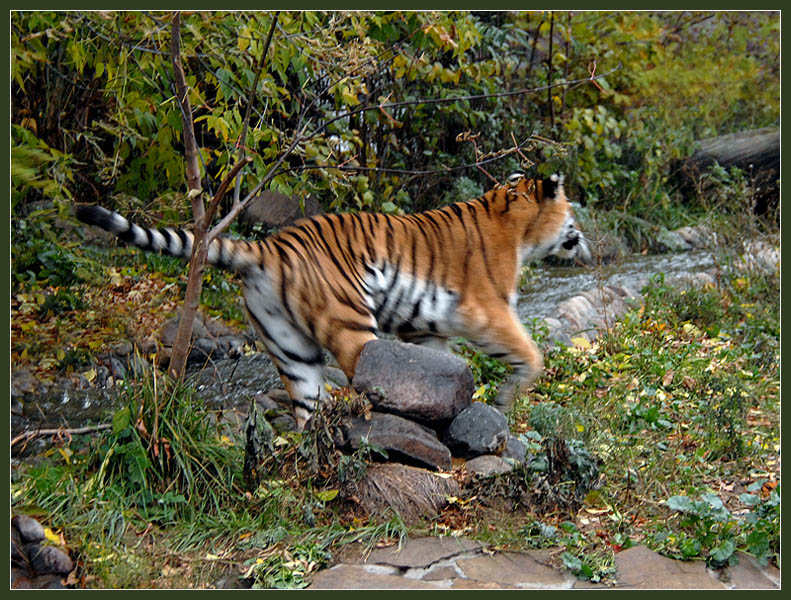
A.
x: 276, y: 210
x: 405, y: 441
x: 412, y: 381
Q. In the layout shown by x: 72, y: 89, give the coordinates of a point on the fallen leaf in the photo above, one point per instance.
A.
x: 581, y: 342
x: 51, y: 536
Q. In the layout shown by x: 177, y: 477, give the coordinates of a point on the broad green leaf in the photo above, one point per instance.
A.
x: 121, y: 420
x: 326, y: 495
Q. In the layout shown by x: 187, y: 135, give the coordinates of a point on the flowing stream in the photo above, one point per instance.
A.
x: 231, y: 382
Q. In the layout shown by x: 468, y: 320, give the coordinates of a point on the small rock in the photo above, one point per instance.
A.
x: 405, y: 441
x: 232, y: 344
x: 231, y: 421
x: 283, y: 423
x: 275, y: 210
x: 48, y: 559
x: 121, y: 348
x: 265, y: 403
x: 102, y: 375
x: 139, y: 366
x: 335, y: 376
x: 477, y: 430
x: 488, y: 465
x: 24, y: 382
x: 169, y: 329
x: 29, y: 529
x: 218, y: 329
x: 670, y: 241
x: 515, y: 450
x: 413, y: 381
x: 280, y: 396
x: 117, y: 368
x: 203, y: 349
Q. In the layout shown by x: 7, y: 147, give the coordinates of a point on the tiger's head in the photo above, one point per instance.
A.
x: 553, y: 230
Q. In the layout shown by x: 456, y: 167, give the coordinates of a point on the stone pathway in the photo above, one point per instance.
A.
x: 459, y: 563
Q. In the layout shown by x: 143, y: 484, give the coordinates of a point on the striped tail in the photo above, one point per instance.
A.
x: 223, y: 253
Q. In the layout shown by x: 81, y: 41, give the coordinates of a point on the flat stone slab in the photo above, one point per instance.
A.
x: 514, y: 570
x: 459, y: 563
x: 358, y: 577
x: 488, y: 465
x: 422, y: 552
x: 748, y: 575
x: 642, y: 569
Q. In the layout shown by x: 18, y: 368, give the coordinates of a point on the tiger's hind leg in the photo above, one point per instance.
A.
x: 298, y: 359
x: 346, y: 345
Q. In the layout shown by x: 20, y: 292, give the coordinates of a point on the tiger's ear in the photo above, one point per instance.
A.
x: 552, y: 185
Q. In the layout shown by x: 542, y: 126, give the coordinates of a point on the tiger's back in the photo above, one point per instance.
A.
x: 337, y: 281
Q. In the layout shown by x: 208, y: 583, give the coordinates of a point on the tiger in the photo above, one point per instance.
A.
x: 338, y: 281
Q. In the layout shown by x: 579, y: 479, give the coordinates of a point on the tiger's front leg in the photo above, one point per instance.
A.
x: 506, y: 339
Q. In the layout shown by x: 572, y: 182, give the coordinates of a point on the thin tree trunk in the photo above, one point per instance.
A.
x: 533, y: 49
x: 183, y: 341
x: 549, y: 71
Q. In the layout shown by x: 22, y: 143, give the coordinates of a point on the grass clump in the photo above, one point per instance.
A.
x: 680, y: 404
x: 161, y: 499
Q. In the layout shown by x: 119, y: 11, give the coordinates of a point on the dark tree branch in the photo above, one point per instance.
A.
x: 490, y: 159
x: 459, y: 98
x: 250, y: 97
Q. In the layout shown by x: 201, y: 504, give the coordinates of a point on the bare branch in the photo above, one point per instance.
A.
x: 460, y: 98
x: 238, y: 206
x: 29, y: 435
x: 215, y: 201
x: 181, y: 345
x: 517, y: 149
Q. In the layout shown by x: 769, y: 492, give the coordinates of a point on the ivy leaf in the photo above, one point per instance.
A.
x: 721, y: 553
x: 680, y: 503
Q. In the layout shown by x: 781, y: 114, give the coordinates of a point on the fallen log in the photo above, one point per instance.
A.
x: 756, y: 152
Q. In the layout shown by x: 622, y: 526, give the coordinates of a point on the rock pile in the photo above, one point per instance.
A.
x: 423, y: 413
x: 422, y: 416
x: 211, y: 340
x: 35, y: 565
